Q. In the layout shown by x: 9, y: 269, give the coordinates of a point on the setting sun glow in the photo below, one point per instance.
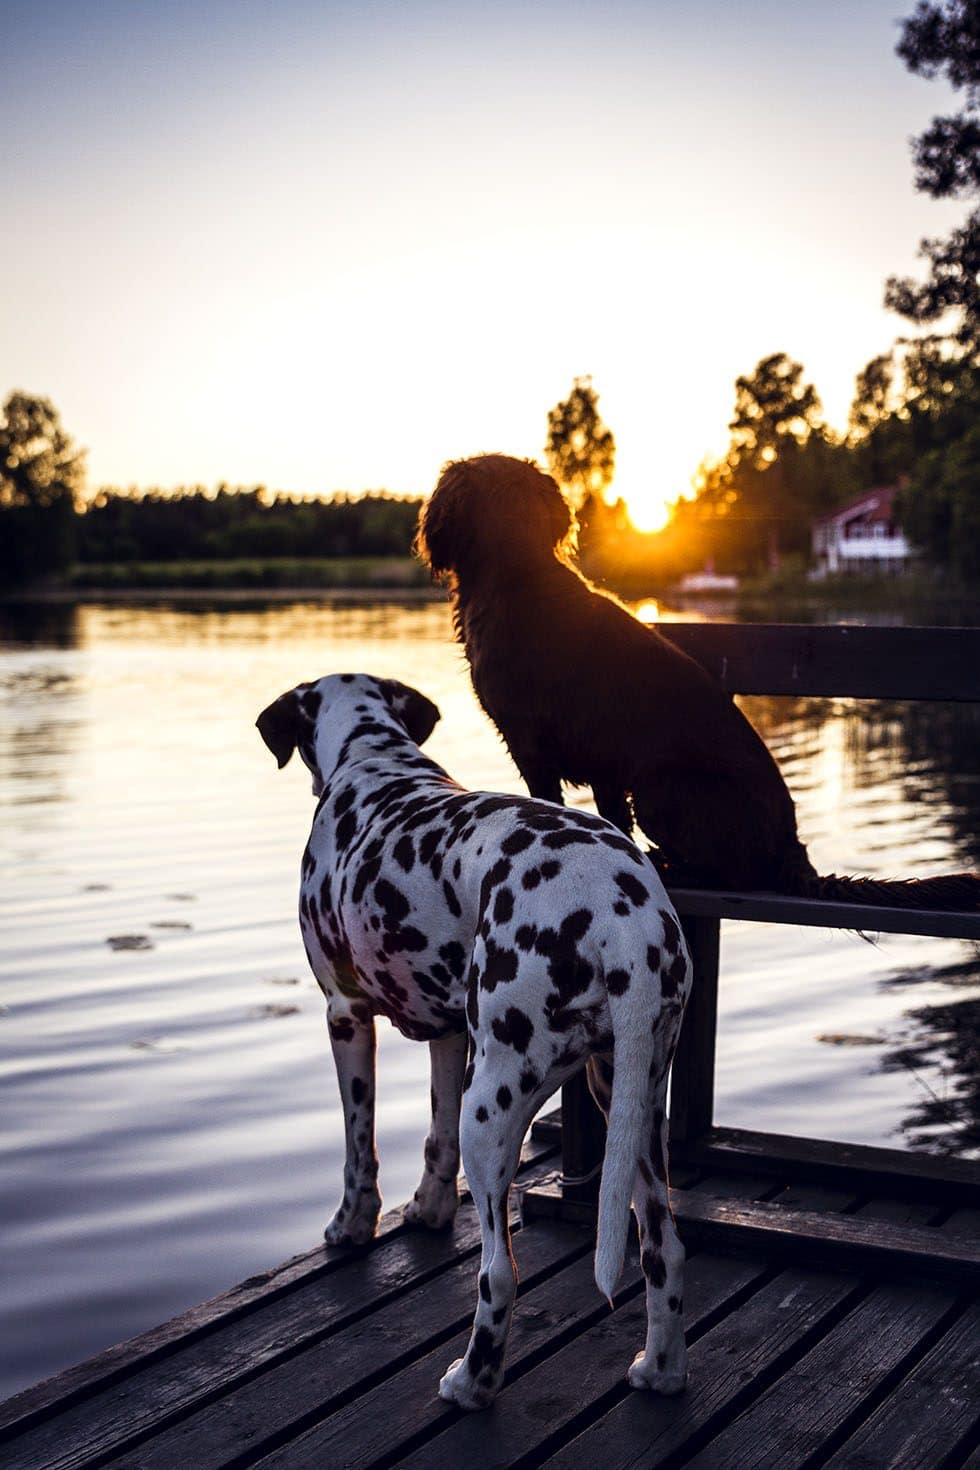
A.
x: 352, y: 241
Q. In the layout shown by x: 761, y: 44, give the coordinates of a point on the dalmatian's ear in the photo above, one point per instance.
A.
x: 418, y: 714
x: 281, y: 724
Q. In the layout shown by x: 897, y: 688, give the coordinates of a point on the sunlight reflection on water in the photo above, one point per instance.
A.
x: 170, y: 1110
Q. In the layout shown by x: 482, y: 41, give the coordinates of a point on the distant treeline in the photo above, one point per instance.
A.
x: 193, y: 524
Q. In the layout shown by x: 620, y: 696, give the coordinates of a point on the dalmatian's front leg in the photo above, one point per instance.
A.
x: 436, y: 1200
x: 353, y: 1043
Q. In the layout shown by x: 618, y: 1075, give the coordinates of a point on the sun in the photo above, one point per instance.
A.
x: 647, y: 510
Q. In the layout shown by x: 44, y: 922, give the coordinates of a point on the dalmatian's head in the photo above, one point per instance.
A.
x: 317, y: 718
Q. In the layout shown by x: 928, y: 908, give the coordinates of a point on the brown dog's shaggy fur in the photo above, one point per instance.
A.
x: 582, y: 692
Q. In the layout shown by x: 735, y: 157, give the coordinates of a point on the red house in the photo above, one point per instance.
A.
x: 861, y: 537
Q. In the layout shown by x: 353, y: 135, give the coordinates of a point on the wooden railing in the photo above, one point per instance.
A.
x: 772, y: 659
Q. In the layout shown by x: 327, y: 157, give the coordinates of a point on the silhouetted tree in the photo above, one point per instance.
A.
x: 873, y: 391
x: 41, y: 475
x: 580, y: 450
x: 773, y: 406
x: 944, y: 39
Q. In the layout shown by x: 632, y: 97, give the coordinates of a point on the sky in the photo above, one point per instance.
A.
x: 328, y: 246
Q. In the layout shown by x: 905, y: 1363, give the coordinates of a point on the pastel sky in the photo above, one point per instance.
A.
x: 327, y: 246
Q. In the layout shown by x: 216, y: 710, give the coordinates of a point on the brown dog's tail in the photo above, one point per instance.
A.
x: 955, y: 891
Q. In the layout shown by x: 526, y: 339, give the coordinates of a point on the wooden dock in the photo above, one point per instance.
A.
x: 832, y: 1295
x: 826, y: 1328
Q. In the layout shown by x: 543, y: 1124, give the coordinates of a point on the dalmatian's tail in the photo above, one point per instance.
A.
x: 632, y: 1013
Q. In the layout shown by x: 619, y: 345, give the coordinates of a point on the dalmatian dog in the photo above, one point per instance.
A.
x: 518, y: 938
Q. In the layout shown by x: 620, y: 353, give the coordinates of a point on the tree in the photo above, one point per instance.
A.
x: 580, y: 450
x: 773, y: 407
x: 42, y: 474
x: 873, y: 390
x: 944, y: 39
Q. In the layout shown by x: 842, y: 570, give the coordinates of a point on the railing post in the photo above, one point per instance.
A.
x: 692, y: 1088
x: 583, y: 1140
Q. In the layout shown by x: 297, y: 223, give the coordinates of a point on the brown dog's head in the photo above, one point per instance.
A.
x: 496, y: 506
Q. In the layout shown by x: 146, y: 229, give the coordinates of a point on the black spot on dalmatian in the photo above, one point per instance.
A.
x: 344, y: 831
x: 404, y: 853
x: 341, y: 1029
x: 551, y: 868
x: 485, y: 1287
x: 655, y: 1216
x: 481, y: 1115
x: 393, y: 903
x: 634, y: 890
x: 653, y: 959
x: 526, y: 937
x: 516, y: 842
x: 427, y: 847
x: 617, y: 981
x: 569, y: 972
x: 672, y: 935
x: 454, y: 957
x: 358, y: 1090
x: 503, y: 907
x: 531, y: 878
x: 620, y: 844
x: 530, y: 1081
x: 652, y: 1264
x: 496, y: 875
x: 673, y: 976
x: 504, y: 1098
x: 500, y: 968
x: 558, y: 840
x: 484, y: 1352
x: 514, y: 1029
x: 366, y: 873
x: 452, y: 902
x: 622, y: 909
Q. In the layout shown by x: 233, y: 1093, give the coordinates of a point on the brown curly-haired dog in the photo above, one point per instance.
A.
x: 582, y: 692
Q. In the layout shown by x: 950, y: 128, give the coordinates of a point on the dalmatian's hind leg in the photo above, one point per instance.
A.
x: 662, y: 1365
x: 494, y: 1117
x: 436, y: 1200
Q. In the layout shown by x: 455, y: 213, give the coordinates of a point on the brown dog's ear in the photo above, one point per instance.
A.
x: 555, y: 507
x: 418, y: 714
x: 280, y: 726
x: 440, y: 523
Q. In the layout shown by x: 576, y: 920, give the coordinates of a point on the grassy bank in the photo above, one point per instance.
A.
x: 248, y: 573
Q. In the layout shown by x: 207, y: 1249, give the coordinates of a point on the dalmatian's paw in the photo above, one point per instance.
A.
x: 353, y: 1225
x: 460, y: 1388
x: 664, y: 1373
x: 434, y: 1208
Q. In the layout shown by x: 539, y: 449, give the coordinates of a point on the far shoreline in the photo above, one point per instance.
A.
x: 63, y: 595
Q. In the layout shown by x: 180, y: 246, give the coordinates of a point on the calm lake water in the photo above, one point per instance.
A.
x: 169, y: 1106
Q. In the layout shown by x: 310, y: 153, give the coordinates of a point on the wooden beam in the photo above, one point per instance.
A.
x: 843, y: 1242
x: 860, y: 663
x: 820, y: 1238
x: 774, y: 908
x: 848, y: 1165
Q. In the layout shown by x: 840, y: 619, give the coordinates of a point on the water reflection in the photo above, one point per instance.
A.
x: 939, y: 1047
x: 38, y: 624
